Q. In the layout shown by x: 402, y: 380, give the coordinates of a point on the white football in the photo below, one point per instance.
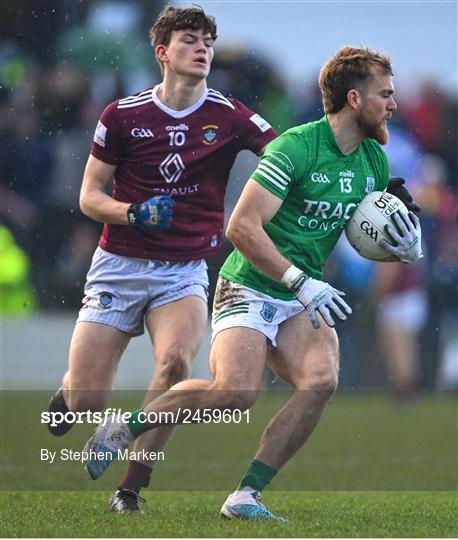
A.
x: 366, y: 227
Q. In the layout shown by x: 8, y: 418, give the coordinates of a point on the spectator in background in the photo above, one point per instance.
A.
x: 40, y: 111
x: 349, y: 271
x: 17, y: 297
x: 400, y: 290
x: 251, y: 78
x: 424, y: 114
x: 70, y: 265
x: 118, y: 60
x: 444, y: 294
x: 26, y: 171
x: 440, y: 203
x: 27, y: 161
x: 402, y: 313
x: 308, y: 104
x: 447, y: 141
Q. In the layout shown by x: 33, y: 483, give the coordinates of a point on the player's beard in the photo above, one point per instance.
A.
x: 372, y: 129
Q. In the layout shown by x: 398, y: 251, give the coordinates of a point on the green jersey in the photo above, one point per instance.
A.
x: 320, y: 188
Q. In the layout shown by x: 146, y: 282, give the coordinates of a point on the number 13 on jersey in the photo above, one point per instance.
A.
x: 345, y: 185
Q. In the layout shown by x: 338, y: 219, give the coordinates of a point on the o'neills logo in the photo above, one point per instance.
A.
x: 387, y: 204
x: 181, y: 127
x: 347, y: 174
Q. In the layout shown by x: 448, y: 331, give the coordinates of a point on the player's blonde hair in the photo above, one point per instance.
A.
x: 349, y: 69
x: 173, y: 18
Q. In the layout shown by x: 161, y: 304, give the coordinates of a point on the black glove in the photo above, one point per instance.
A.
x: 396, y: 188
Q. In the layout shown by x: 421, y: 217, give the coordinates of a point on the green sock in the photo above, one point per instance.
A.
x: 136, y: 427
x: 257, y: 476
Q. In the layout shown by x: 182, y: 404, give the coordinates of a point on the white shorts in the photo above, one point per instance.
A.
x: 235, y: 305
x: 405, y: 310
x: 120, y: 290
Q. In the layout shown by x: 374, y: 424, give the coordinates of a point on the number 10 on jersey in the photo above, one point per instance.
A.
x: 177, y: 138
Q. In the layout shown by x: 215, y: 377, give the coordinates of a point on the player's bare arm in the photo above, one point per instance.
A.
x: 156, y: 212
x: 94, y: 200
x: 256, y: 207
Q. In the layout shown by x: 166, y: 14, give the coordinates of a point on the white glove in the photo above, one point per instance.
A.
x: 406, y: 233
x: 315, y: 296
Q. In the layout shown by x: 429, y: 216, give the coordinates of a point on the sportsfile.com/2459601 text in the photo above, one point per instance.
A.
x: 181, y: 416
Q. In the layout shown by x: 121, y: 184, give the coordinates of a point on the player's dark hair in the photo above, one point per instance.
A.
x: 173, y: 18
x: 349, y: 68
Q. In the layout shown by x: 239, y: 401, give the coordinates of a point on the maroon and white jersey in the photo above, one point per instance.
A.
x: 187, y: 154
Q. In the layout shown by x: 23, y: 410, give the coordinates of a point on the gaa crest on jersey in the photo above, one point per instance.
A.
x: 370, y: 184
x: 105, y: 300
x: 210, y: 134
x: 268, y: 312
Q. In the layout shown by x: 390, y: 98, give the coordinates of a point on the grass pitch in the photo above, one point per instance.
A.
x: 370, y: 469
x: 195, y: 514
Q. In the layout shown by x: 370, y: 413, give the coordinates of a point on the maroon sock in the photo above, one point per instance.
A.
x: 136, y: 477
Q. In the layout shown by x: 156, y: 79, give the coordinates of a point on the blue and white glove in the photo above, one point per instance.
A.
x: 406, y: 235
x: 155, y: 213
x: 316, y: 296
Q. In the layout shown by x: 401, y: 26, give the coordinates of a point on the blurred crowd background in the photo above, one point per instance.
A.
x: 63, y: 61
